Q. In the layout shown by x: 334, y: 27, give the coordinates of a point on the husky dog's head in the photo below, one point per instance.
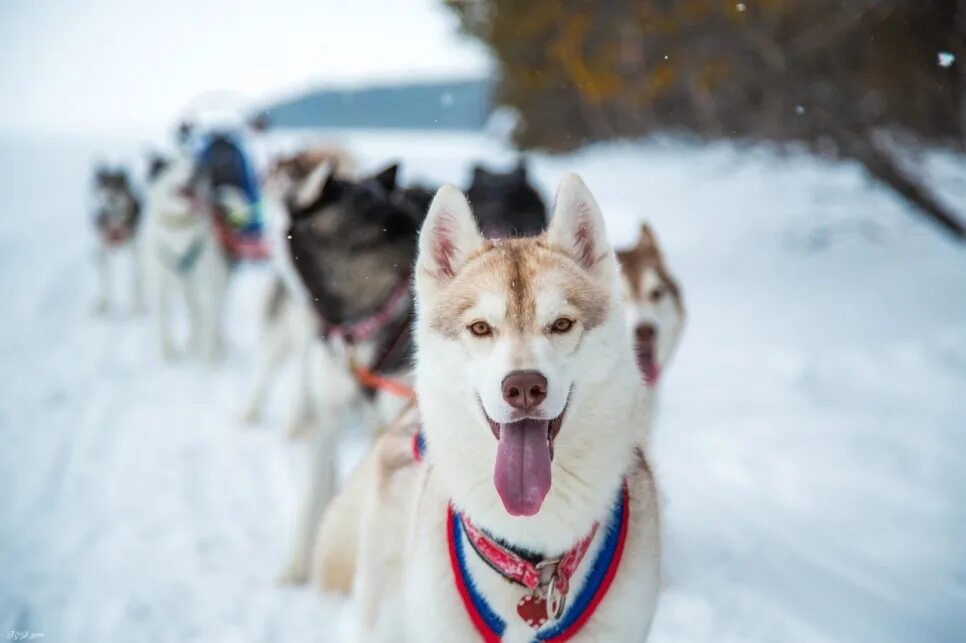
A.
x: 523, y: 370
x: 171, y: 193
x: 505, y: 204
x: 653, y: 305
x: 157, y: 164
x: 116, y: 208
x: 351, y: 242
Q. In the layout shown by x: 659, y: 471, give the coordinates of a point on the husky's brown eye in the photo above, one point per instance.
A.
x: 658, y: 294
x: 481, y: 329
x: 562, y: 325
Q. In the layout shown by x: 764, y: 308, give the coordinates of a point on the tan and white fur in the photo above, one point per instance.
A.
x: 488, y: 310
x: 185, y: 262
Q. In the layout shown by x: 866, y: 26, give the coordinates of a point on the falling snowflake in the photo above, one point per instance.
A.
x: 446, y: 99
x: 666, y: 57
x: 740, y: 6
x: 946, y: 58
x: 799, y: 109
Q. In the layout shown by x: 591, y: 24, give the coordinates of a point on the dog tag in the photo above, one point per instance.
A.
x: 533, y: 610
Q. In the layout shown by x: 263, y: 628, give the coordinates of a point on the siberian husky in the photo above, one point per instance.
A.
x: 352, y: 246
x: 117, y: 213
x: 527, y: 509
x: 186, y: 259
x: 654, y: 309
x: 494, y: 194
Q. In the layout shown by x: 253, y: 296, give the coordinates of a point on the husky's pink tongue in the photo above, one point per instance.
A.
x: 522, y: 470
x: 647, y: 364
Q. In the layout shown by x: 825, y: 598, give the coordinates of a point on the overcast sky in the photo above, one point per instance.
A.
x: 104, y: 66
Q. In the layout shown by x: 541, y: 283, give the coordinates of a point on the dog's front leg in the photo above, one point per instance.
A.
x: 196, y: 316
x: 214, y: 307
x: 302, y: 416
x: 334, y: 392
x: 103, y: 279
x: 275, y: 343
x: 165, y: 331
x: 137, y: 277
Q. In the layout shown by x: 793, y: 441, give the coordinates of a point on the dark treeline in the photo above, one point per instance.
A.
x: 827, y: 73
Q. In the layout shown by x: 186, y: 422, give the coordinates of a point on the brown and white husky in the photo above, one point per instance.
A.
x: 529, y: 509
x: 653, y: 305
x: 653, y: 308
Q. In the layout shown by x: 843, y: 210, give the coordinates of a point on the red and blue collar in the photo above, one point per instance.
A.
x: 491, y: 625
x: 574, y: 616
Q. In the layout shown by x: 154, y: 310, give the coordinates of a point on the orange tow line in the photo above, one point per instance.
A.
x: 374, y: 380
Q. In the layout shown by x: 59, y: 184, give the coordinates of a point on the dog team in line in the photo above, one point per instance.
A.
x: 506, y: 359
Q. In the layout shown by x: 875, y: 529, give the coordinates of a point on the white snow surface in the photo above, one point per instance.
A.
x: 810, y: 446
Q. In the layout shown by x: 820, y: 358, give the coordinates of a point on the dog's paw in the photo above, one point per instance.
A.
x: 295, y: 573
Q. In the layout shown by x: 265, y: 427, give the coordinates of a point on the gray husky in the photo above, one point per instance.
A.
x: 350, y: 250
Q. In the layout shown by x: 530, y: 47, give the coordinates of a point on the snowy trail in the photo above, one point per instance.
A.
x: 811, y: 442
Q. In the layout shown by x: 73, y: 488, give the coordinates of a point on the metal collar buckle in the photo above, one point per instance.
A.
x: 555, y: 598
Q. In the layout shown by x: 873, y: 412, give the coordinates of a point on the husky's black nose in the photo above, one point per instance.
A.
x: 525, y: 390
x: 645, y: 333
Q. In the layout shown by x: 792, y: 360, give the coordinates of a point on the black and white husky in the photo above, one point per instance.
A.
x: 117, y: 213
x: 350, y: 252
x: 350, y: 245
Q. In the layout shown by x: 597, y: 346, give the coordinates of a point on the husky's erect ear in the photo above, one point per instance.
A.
x: 646, y: 239
x: 577, y: 225
x: 157, y: 164
x: 309, y: 192
x: 479, y: 173
x: 449, y: 235
x: 101, y: 172
x: 387, y: 177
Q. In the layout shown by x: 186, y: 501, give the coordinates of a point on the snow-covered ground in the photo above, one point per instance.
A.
x: 811, y: 444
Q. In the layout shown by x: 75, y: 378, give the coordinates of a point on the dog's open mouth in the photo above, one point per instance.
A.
x: 645, y: 351
x: 521, y: 473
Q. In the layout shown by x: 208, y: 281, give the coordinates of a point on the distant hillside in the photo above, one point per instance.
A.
x: 451, y: 105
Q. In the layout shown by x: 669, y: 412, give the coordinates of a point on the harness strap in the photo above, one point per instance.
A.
x: 184, y: 263
x: 391, y: 355
x: 419, y: 446
x: 370, y: 379
x: 362, y: 329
